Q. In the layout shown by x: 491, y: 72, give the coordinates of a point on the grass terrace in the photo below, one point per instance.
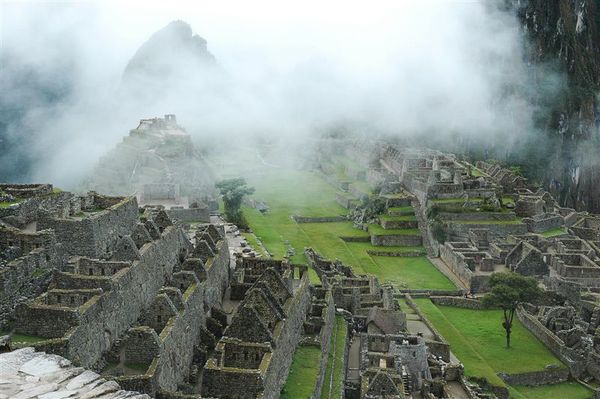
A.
x: 377, y: 230
x: 303, y: 373
x: 25, y: 340
x: 569, y: 389
x: 407, y: 218
x: 409, y: 273
x: 288, y: 193
x: 6, y: 204
x: 401, y: 211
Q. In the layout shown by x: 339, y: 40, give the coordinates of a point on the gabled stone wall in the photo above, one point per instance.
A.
x: 95, y: 235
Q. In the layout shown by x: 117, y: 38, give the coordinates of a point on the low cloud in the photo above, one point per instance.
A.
x: 434, y: 70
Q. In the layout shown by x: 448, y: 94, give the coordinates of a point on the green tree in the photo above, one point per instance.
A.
x: 233, y: 192
x: 517, y: 170
x: 507, y: 291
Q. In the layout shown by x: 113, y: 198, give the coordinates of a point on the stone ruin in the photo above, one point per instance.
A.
x: 150, y: 302
x: 392, y: 362
x: 254, y: 352
x: 123, y: 294
x: 158, y: 163
x: 492, y: 221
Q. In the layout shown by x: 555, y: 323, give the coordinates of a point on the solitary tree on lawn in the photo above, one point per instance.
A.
x: 233, y: 192
x: 507, y: 291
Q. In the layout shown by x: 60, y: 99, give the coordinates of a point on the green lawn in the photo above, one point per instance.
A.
x: 477, y: 339
x: 20, y: 340
x: 288, y: 193
x: 377, y: 230
x: 569, y: 389
x: 404, y: 218
x: 6, y: 204
x: 401, y: 210
x: 409, y: 272
x: 555, y: 232
x: 335, y: 361
x: 303, y: 373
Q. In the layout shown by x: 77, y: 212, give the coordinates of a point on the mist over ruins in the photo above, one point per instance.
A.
x: 325, y: 200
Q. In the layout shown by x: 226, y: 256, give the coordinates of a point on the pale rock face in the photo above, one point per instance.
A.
x: 27, y: 374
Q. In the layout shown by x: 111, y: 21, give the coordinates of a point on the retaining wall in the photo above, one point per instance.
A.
x: 396, y: 240
x: 323, y: 219
x: 189, y: 215
x: 457, y: 301
x: 550, y: 375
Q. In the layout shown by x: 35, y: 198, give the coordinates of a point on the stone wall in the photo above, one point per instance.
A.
x: 323, y: 219
x: 97, y: 234
x: 399, y: 224
x: 26, y: 190
x: 548, y: 338
x: 40, y: 320
x: 325, y: 341
x: 25, y: 278
x: 217, y: 276
x: 27, y: 211
x: 552, y: 374
x: 398, y: 254
x: 183, y: 331
x: 288, y: 340
x: 190, y: 215
x: 544, y: 222
x: 440, y: 343
x: 462, y: 229
x: 476, y: 216
x: 456, y: 265
x: 457, y: 301
x: 104, y: 320
x: 179, y: 337
x: 66, y: 280
x: 400, y: 240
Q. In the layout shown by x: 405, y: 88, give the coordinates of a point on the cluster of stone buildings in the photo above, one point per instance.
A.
x: 148, y: 298
x: 153, y: 294
x: 492, y: 220
x: 383, y: 359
